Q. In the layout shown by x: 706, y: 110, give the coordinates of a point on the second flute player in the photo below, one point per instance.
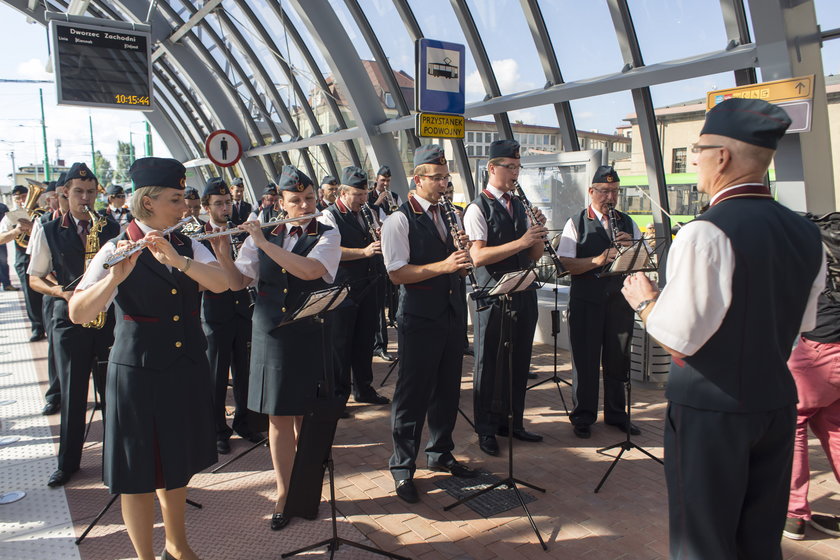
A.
x: 503, y: 240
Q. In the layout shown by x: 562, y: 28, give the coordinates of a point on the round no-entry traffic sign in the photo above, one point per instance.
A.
x: 223, y: 148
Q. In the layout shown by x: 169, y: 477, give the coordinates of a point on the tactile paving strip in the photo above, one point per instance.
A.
x: 38, y: 526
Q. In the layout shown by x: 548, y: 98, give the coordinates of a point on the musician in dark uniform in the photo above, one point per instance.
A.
x: 241, y: 209
x: 58, y: 258
x: 503, y: 240
x: 226, y: 319
x: 360, y: 268
x: 267, y: 210
x: 744, y: 279
x: 116, y: 206
x: 600, y: 321
x: 9, y: 232
x: 53, y: 394
x: 382, y: 199
x: 420, y: 257
x: 158, y: 421
x: 193, y: 202
x: 328, y: 192
x: 286, y: 264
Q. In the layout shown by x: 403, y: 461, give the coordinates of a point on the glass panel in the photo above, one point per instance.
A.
x: 828, y: 14
x: 674, y: 29
x: 571, y: 24
x: 516, y: 69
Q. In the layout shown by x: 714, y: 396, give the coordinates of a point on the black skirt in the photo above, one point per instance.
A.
x: 159, y: 428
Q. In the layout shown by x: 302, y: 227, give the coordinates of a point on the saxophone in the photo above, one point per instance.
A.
x: 91, y: 248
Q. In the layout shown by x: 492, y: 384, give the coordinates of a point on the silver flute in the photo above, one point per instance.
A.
x: 237, y: 229
x: 122, y: 254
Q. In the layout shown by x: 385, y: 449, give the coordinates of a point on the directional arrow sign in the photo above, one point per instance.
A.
x: 792, y: 89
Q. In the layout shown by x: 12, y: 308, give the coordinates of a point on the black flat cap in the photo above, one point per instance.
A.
x: 355, y: 177
x: 158, y: 172
x: 385, y: 171
x: 19, y: 189
x: 752, y: 121
x: 329, y: 180
x: 237, y: 181
x: 504, y: 148
x: 191, y: 193
x: 50, y: 187
x: 114, y: 190
x: 292, y: 179
x: 79, y: 170
x: 61, y: 179
x: 215, y: 185
x: 605, y: 174
x: 429, y: 153
x: 270, y: 188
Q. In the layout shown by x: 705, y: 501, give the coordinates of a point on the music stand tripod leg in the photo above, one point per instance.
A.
x: 229, y: 461
x: 391, y: 369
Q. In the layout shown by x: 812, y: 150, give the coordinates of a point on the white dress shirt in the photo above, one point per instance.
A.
x: 475, y: 224
x: 327, y: 251
x: 40, y: 261
x: 569, y: 238
x: 395, y: 246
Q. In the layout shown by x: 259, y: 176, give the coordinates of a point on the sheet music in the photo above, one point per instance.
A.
x: 635, y: 257
x: 15, y: 216
x: 317, y: 302
x: 507, y: 283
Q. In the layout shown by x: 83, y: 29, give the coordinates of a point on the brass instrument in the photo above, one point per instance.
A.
x: 272, y: 223
x: 36, y: 189
x: 91, y: 248
x: 370, y: 223
x: 532, y: 217
x: 122, y: 254
x: 392, y: 204
x: 452, y: 221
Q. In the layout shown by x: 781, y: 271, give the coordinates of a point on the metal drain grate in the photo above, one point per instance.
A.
x: 489, y: 504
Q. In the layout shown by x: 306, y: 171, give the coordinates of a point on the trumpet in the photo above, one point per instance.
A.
x: 370, y: 223
x: 392, y: 204
x: 532, y: 217
x: 123, y: 254
x: 237, y: 229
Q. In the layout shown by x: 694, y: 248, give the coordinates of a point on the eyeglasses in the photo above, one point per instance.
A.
x: 220, y: 204
x: 697, y: 148
x: 510, y: 166
x: 438, y: 178
x: 605, y: 192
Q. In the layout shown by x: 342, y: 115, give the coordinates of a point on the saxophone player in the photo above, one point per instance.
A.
x: 58, y: 251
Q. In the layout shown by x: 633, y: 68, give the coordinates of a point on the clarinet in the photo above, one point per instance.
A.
x: 532, y: 216
x: 370, y: 223
x: 452, y: 221
x: 612, y: 218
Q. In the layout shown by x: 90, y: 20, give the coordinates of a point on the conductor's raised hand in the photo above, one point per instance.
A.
x: 638, y: 288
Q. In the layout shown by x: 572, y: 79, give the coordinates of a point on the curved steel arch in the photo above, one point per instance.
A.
x: 185, y: 91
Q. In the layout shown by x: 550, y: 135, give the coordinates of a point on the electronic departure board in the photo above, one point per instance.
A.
x: 101, y: 66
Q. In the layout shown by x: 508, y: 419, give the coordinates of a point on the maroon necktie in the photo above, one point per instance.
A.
x: 508, y: 203
x: 296, y: 230
x: 85, y: 225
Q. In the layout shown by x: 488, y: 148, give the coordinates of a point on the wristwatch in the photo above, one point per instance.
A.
x: 641, y: 307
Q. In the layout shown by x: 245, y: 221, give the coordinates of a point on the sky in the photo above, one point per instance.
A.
x: 667, y: 29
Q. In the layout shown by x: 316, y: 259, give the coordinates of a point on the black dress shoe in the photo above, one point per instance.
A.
x: 489, y: 445
x: 384, y: 355
x: 59, y: 478
x: 454, y: 468
x: 634, y: 429
x: 51, y: 408
x: 222, y: 446
x: 583, y: 431
x: 406, y: 491
x: 521, y: 434
x: 278, y: 521
x: 345, y: 414
x: 371, y: 397
x: 36, y: 336
x: 166, y: 556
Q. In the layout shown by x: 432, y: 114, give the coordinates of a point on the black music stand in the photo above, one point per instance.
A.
x: 316, y: 439
x: 510, y: 283
x: 642, y: 259
x: 555, y: 331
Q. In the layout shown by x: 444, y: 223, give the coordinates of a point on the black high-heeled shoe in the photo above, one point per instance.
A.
x: 278, y: 521
x: 166, y: 556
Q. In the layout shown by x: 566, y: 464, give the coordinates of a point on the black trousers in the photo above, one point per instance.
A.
x: 32, y: 298
x: 355, y: 325
x: 600, y: 334
x: 490, y: 390
x: 428, y: 386
x: 728, y: 477
x: 229, y: 354
x: 5, y: 280
x: 380, y: 341
x: 77, y: 351
x: 53, y: 394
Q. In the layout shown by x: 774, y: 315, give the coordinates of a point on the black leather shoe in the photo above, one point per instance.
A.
x: 59, y: 478
x: 278, y: 521
x: 489, y: 445
x: 51, y: 408
x: 521, y: 434
x: 371, y: 397
x: 222, y: 446
x: 345, y: 414
x: 36, y: 336
x: 634, y: 429
x: 406, y: 491
x: 385, y: 356
x: 454, y: 468
x: 583, y: 431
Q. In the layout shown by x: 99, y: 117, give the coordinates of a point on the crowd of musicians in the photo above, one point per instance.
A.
x: 165, y: 319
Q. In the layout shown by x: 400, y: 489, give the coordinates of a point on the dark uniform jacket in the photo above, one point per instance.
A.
x: 593, y: 240
x: 226, y: 306
x: 241, y: 216
x: 373, y: 195
x: 357, y: 273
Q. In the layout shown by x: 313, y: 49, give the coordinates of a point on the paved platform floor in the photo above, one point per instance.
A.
x: 626, y: 520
